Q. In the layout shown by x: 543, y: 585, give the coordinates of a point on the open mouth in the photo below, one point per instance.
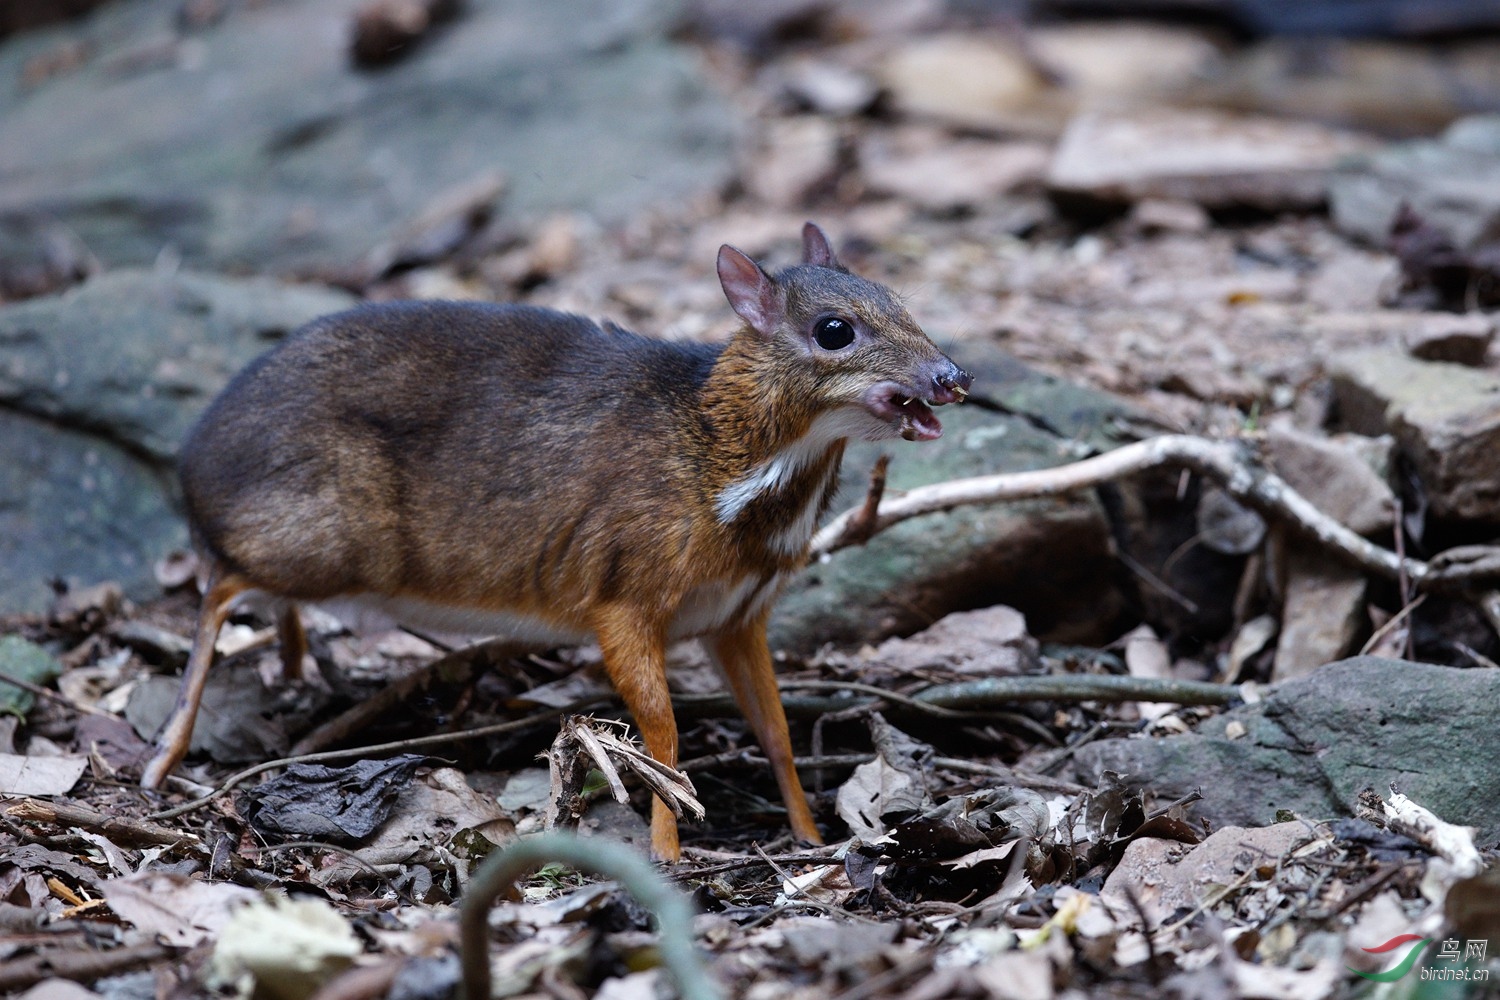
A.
x: 909, y: 412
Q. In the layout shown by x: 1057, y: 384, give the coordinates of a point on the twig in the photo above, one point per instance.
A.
x: 117, y: 828
x: 1396, y: 619
x: 859, y: 527
x: 372, y: 751
x: 83, y: 966
x: 674, y: 919
x: 50, y: 695
x: 1077, y: 687
x: 399, y: 691
x: 1225, y: 462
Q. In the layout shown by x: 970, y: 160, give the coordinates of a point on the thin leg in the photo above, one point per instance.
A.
x: 172, y: 744
x: 745, y: 659
x: 635, y: 657
x: 293, y: 640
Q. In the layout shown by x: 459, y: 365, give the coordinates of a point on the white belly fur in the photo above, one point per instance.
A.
x: 705, y: 609
x: 372, y: 612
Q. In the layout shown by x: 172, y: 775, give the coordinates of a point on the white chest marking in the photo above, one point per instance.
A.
x: 793, y: 538
x: 778, y: 471
x: 711, y: 606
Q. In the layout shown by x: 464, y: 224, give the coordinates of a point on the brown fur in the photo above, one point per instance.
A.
x: 508, y: 458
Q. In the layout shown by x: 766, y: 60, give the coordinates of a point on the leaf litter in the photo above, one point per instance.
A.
x: 964, y: 860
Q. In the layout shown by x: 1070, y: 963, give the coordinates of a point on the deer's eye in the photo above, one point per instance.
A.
x: 833, y: 333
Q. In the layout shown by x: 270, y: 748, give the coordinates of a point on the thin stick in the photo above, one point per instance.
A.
x: 50, y: 695
x: 1224, y: 462
x: 117, y: 828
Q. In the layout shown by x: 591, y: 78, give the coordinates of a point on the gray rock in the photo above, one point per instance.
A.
x: 1050, y: 559
x: 1315, y: 742
x: 135, y: 356
x: 76, y: 507
x: 1445, y: 419
x: 1452, y: 182
x: 254, y: 145
x: 1334, y: 478
x: 1213, y: 159
x: 1463, y: 340
x: 99, y: 385
x: 1322, y: 613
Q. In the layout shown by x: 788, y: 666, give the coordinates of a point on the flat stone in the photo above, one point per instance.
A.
x: 1168, y: 877
x: 973, y: 80
x: 254, y: 145
x: 952, y: 174
x: 99, y: 386
x: 1315, y: 742
x: 77, y: 507
x: 1445, y: 419
x: 1463, y: 340
x: 135, y: 356
x: 1335, y: 477
x: 1214, y: 159
x: 989, y: 641
x: 1452, y: 182
x: 794, y: 158
x: 1322, y: 614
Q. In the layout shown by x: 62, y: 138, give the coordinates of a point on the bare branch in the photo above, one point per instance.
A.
x: 1230, y: 464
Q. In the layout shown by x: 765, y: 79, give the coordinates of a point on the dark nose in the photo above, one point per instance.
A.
x: 952, y: 384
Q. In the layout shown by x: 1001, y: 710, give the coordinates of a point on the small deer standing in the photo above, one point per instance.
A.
x: 517, y: 471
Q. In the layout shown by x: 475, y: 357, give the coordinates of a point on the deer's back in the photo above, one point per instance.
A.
x: 435, y: 448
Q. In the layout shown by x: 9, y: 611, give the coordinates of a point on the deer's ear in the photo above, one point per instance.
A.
x: 816, y: 249
x: 750, y: 291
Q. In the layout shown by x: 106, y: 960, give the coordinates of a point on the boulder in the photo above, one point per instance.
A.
x: 1214, y: 159
x: 99, y: 385
x: 1451, y: 182
x: 77, y: 508
x: 253, y: 143
x: 1445, y: 419
x: 1316, y: 741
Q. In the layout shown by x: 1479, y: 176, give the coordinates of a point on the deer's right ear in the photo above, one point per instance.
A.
x: 750, y: 291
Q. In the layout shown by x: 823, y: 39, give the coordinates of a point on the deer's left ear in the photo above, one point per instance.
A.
x: 816, y: 249
x: 751, y: 292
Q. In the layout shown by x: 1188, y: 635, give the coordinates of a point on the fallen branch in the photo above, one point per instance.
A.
x: 1227, y: 463
x: 120, y: 829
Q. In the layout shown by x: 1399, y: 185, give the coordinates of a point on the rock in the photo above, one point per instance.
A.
x: 990, y: 640
x: 820, y: 85
x: 974, y: 80
x: 795, y: 158
x: 1322, y: 613
x: 135, y: 356
x: 301, y: 164
x: 1049, y: 559
x: 1315, y: 742
x: 1463, y: 340
x: 76, y: 507
x: 1159, y: 215
x: 100, y: 385
x: 1210, y: 158
x: 1167, y: 877
x: 1445, y: 419
x: 1334, y: 477
x: 943, y: 175
x: 1387, y: 87
x: 1118, y: 60
x: 1452, y: 182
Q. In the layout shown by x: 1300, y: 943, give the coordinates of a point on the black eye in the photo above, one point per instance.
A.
x: 832, y: 333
